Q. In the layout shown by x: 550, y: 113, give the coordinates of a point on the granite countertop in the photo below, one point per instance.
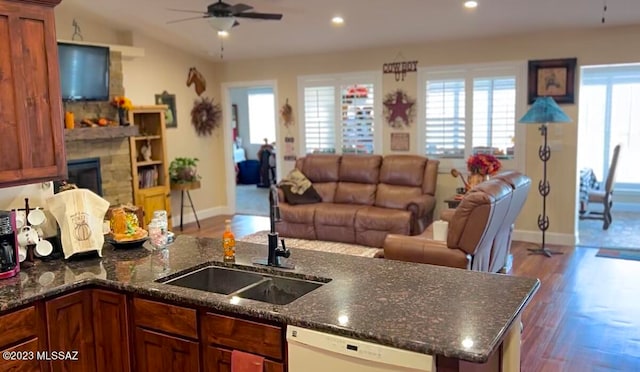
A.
x: 423, y: 308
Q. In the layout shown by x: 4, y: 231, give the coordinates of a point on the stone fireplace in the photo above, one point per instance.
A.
x: 110, y: 145
x: 115, y: 165
x: 86, y: 174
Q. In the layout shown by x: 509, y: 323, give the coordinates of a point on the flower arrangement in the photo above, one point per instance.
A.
x: 483, y: 164
x: 122, y: 102
x: 184, y: 170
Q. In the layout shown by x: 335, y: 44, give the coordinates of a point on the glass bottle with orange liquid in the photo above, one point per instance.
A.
x: 229, y: 243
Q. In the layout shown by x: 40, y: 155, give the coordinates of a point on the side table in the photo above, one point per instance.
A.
x: 453, y: 201
x: 185, y: 187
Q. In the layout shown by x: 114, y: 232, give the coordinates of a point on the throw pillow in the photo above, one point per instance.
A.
x: 310, y: 196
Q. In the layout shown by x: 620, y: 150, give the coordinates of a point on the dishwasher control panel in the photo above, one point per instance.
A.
x: 326, y: 344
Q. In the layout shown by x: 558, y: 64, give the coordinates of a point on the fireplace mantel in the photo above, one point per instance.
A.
x: 98, y: 133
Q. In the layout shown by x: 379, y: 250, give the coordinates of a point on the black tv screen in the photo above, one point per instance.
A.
x: 84, y: 72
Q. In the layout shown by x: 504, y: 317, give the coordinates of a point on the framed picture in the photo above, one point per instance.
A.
x: 234, y: 116
x: 170, y: 117
x: 554, y: 78
x: 400, y: 142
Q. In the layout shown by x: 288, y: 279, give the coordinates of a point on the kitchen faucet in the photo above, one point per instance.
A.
x: 275, y: 252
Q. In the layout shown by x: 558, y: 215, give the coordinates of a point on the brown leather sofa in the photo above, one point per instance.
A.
x: 472, y: 230
x: 364, y: 198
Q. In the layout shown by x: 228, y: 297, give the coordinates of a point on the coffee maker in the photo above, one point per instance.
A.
x: 9, y: 258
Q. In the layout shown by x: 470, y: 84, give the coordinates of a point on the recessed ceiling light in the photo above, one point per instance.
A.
x: 470, y: 4
x: 337, y: 20
x: 223, y: 33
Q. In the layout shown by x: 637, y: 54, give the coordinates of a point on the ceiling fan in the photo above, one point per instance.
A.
x: 222, y: 16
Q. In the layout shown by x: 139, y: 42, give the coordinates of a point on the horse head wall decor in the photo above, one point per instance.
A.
x: 195, y: 77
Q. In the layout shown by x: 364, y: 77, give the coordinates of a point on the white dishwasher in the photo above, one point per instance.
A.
x: 313, y: 351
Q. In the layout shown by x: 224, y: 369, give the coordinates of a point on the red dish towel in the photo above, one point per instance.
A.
x: 245, y: 362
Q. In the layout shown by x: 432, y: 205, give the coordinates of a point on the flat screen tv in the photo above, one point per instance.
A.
x: 84, y: 72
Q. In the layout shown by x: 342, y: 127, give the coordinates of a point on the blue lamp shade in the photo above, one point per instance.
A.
x: 545, y: 110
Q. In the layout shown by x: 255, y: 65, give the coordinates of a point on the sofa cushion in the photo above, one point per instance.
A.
x: 336, y: 214
x: 355, y: 193
x: 310, y: 195
x: 327, y: 190
x: 373, y: 224
x: 298, y: 213
x: 360, y: 168
x: 406, y: 170
x: 335, y: 222
x: 397, y: 197
x: 321, y: 168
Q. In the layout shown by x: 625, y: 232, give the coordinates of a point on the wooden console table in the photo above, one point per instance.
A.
x: 453, y: 201
x: 185, y: 187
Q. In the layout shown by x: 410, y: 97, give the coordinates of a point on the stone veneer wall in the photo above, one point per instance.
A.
x: 115, y: 161
x: 115, y: 165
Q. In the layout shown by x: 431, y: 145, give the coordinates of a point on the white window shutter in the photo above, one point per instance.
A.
x: 445, y: 118
x: 319, y: 117
x: 494, y: 105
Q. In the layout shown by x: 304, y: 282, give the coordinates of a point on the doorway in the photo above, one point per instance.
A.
x: 609, y: 116
x: 252, y: 108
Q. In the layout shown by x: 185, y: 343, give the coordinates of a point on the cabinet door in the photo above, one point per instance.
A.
x: 70, y: 328
x: 31, y: 346
x: 153, y: 199
x: 219, y: 360
x: 32, y: 142
x: 111, y: 329
x: 160, y: 352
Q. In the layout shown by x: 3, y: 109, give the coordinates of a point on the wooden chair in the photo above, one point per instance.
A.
x: 603, y: 196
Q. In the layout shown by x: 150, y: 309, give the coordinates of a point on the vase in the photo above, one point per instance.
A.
x: 123, y: 118
x: 475, y: 178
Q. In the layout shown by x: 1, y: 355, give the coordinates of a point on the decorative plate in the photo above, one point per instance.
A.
x: 127, y: 244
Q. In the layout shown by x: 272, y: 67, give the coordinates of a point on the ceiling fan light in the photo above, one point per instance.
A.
x: 222, y: 23
x: 223, y: 33
x: 471, y: 4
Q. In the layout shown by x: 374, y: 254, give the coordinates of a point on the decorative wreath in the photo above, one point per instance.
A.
x: 205, y: 115
x: 399, y: 109
x: 286, y: 112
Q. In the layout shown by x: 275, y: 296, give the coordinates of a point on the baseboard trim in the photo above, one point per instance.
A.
x: 550, y: 237
x: 202, y: 214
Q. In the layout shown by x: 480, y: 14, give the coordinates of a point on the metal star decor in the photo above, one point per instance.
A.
x: 398, y: 109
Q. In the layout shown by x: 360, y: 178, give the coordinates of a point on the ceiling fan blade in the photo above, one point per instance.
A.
x: 253, y: 15
x: 186, y: 11
x: 239, y: 8
x: 187, y: 19
x: 236, y: 23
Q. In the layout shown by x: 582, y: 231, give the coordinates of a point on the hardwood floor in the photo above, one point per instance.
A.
x: 585, y: 317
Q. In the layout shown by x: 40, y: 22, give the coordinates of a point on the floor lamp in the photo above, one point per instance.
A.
x: 544, y: 111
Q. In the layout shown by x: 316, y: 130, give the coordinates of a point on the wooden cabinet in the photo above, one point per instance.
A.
x: 22, y: 331
x: 32, y: 143
x: 161, y: 352
x: 150, y: 174
x: 219, y: 360
x: 70, y: 328
x: 111, y: 331
x: 166, y: 337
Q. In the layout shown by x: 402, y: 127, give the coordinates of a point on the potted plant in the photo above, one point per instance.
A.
x: 183, y: 172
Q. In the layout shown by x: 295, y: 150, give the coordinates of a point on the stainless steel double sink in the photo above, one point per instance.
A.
x: 273, y: 289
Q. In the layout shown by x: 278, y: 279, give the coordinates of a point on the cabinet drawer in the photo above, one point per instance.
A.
x: 243, y: 335
x: 17, y: 326
x: 26, y: 365
x: 164, y: 317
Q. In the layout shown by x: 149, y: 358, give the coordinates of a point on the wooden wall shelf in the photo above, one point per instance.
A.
x: 82, y: 134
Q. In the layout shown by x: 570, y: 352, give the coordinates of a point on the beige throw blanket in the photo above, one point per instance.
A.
x: 297, y: 180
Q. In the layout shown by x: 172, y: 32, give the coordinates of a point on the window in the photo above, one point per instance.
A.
x: 471, y: 109
x: 609, y: 115
x: 262, y: 117
x: 339, y: 113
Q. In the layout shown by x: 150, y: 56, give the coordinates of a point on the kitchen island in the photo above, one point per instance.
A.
x: 450, y: 313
